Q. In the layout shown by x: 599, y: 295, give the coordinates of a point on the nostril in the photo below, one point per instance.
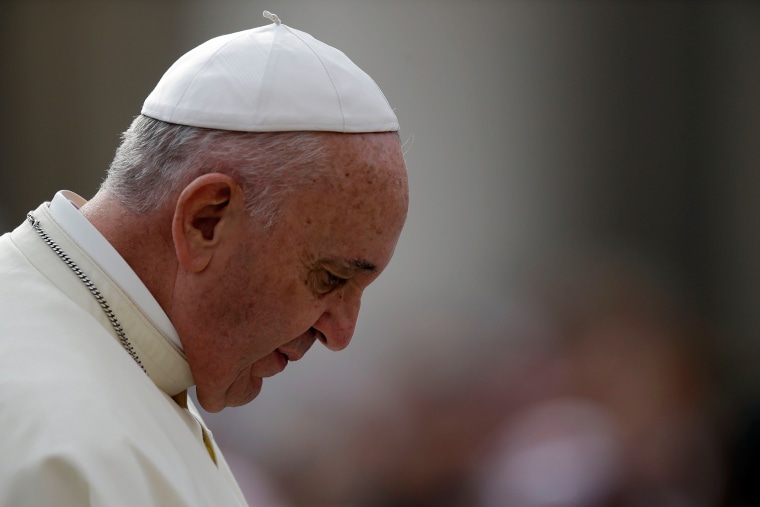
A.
x: 320, y: 336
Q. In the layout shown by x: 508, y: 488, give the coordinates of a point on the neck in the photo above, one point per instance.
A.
x: 143, y: 240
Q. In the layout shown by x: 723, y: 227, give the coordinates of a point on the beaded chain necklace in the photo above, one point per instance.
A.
x: 90, y: 286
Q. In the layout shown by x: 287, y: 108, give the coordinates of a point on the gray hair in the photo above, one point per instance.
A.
x: 156, y: 160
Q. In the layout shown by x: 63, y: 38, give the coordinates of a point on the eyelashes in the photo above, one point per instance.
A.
x: 323, y: 281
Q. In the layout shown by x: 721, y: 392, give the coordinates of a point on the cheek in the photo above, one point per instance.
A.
x: 260, y: 307
x: 267, y: 311
x: 287, y: 312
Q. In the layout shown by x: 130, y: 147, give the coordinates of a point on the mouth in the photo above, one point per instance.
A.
x: 270, y: 365
x: 297, y: 348
x: 291, y: 354
x: 282, y: 358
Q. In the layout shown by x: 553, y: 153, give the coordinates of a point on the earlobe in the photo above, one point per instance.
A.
x: 206, y: 214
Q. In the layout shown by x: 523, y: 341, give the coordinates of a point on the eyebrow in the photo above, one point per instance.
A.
x: 351, y: 264
x: 363, y: 265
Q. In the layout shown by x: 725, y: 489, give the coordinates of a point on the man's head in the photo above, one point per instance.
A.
x: 248, y: 297
x: 257, y: 241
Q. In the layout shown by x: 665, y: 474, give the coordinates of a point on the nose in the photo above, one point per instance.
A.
x: 338, y: 321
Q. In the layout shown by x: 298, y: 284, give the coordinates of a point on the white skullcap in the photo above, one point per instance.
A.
x: 268, y: 79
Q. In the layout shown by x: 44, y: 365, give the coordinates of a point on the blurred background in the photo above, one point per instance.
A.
x: 571, y: 315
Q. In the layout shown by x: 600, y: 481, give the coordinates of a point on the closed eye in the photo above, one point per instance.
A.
x: 323, y: 282
x: 322, y: 277
x: 334, y: 280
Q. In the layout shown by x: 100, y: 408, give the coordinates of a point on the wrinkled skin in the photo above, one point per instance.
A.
x: 247, y: 299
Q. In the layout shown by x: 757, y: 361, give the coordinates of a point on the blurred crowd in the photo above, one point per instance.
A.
x: 595, y: 388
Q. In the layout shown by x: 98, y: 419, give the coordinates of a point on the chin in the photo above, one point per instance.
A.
x: 243, y: 391
x: 210, y: 405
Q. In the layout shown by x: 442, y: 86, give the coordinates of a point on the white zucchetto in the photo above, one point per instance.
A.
x: 270, y: 79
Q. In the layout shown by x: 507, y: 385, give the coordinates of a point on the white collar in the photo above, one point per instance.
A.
x: 64, y: 209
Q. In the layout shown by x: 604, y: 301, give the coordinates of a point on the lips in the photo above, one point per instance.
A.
x: 297, y: 348
x: 279, y: 358
x: 291, y: 354
x: 270, y: 365
x: 281, y: 361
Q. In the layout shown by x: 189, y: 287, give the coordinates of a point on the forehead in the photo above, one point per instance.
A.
x: 357, y: 206
x: 364, y: 158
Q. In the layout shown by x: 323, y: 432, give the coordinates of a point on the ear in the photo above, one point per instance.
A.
x: 208, y: 212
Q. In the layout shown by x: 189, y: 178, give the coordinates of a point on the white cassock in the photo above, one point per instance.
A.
x: 81, y: 423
